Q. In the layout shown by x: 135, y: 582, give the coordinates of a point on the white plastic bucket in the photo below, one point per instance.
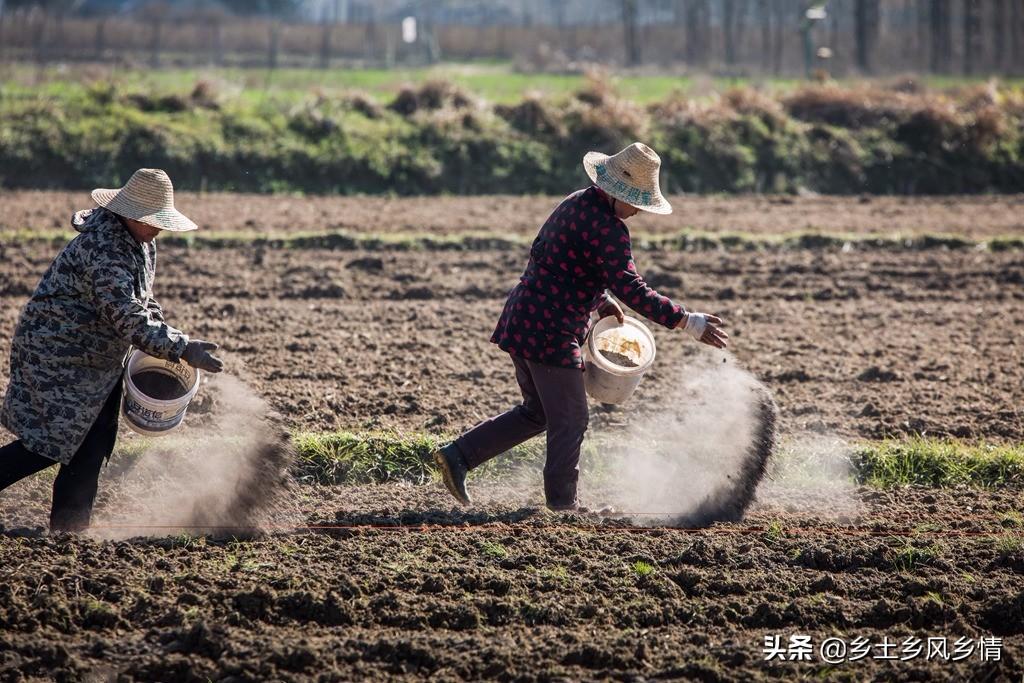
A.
x: 151, y: 416
x: 609, y: 382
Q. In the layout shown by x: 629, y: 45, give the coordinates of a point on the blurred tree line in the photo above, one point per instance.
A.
x: 730, y: 36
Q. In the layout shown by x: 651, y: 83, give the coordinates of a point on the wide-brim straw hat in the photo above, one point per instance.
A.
x: 631, y: 176
x: 148, y: 196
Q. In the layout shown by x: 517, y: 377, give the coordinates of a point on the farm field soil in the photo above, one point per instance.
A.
x: 859, y: 344
x: 975, y: 217
x: 512, y: 593
x: 865, y: 344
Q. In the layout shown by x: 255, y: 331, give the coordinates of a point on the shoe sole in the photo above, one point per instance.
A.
x: 446, y: 476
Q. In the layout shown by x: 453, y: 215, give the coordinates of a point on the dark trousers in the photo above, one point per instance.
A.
x: 74, y: 489
x: 554, y: 400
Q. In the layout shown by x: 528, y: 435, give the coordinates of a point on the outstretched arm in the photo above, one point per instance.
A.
x: 615, y: 258
x: 622, y: 278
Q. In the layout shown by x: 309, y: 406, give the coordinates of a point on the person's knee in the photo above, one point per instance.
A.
x: 533, y: 414
x: 579, y: 416
x: 572, y: 424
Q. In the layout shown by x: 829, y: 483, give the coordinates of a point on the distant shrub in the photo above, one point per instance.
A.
x: 435, y: 138
x: 430, y: 96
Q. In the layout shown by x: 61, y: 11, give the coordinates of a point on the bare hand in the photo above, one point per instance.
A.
x: 611, y: 308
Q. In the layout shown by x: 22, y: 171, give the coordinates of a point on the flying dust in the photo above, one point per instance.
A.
x: 700, y: 459
x: 223, y: 473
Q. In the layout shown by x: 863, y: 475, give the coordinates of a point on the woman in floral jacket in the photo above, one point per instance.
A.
x: 583, y: 251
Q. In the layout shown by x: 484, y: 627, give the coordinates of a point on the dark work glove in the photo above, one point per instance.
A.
x: 197, y: 354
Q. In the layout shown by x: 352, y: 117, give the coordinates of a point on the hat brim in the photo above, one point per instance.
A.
x: 659, y: 205
x: 170, y: 220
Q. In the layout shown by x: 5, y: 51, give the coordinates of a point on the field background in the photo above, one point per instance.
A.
x: 856, y: 218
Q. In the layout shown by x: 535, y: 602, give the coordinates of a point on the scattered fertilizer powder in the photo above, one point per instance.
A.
x: 223, y: 472
x: 620, y: 359
x: 159, y: 385
x: 700, y: 459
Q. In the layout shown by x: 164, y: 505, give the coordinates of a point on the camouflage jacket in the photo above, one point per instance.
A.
x: 93, y: 303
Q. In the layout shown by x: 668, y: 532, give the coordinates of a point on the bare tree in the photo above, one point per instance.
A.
x: 765, y: 14
x: 100, y: 42
x: 156, y: 13
x: 972, y: 27
x: 629, y: 29
x: 729, y: 30
x: 780, y: 7
x: 1016, y: 39
x: 327, y: 24
x: 921, y: 11
x: 698, y: 31
x: 941, y: 35
x: 999, y: 34
x: 865, y: 33
x: 274, y: 44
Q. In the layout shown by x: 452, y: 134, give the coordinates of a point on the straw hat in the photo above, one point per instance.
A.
x: 631, y: 176
x: 148, y: 196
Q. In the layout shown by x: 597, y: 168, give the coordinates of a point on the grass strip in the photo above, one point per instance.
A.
x: 360, y: 458
x: 375, y: 457
x: 938, y: 462
x: 687, y: 240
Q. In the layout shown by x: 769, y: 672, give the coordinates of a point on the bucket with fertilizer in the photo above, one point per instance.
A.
x: 617, y: 356
x: 156, y: 393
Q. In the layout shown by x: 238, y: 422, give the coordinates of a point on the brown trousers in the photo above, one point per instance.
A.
x: 555, y: 401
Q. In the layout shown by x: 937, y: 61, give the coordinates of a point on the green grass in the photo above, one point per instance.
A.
x: 642, y: 568
x: 350, y: 457
x: 347, y: 457
x: 774, y: 532
x: 497, y: 82
x: 910, y: 556
x: 495, y: 550
x: 938, y: 462
x: 1010, y: 544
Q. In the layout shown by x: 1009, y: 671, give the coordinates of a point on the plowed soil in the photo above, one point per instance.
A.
x: 511, y: 593
x: 975, y: 216
x: 863, y: 344
x: 857, y: 344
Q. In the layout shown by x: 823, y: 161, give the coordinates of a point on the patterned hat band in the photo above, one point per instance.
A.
x: 634, y: 195
x: 631, y: 176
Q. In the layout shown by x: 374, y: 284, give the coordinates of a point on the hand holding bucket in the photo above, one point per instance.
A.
x: 156, y: 393
x: 630, y: 342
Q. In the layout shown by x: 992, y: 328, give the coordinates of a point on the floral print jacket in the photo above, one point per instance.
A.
x: 582, y: 252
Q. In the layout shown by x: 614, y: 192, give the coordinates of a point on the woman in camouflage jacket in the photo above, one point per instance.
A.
x: 93, y: 303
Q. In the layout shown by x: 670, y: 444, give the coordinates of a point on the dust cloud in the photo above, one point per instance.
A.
x: 813, y: 473
x: 223, y: 473
x: 701, y: 457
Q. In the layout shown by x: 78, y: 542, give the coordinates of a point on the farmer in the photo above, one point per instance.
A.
x: 582, y: 252
x: 68, y: 350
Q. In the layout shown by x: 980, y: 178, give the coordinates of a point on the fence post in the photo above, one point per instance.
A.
x: 275, y: 35
x: 325, y: 45
x: 38, y: 33
x: 154, y: 58
x: 217, y: 43
x: 101, y: 38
